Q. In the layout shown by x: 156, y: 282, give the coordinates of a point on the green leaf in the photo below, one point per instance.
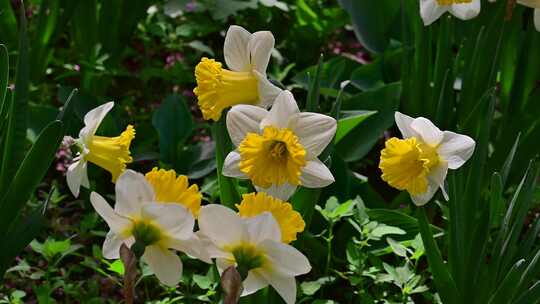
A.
x: 117, y: 267
x: 314, y: 88
x: 14, y: 146
x: 446, y: 287
x: 372, y: 21
x: 309, y: 288
x: 174, y: 125
x: 4, y: 75
x: 30, y: 173
x: 397, y: 248
x: 509, y: 285
x: 18, y: 238
x: 349, y: 122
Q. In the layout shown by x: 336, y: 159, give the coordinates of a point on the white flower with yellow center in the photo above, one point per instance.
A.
x: 431, y: 10
x: 535, y: 4
x: 254, y: 246
x: 419, y: 162
x: 278, y: 149
x: 110, y: 153
x: 138, y: 219
x: 247, y: 56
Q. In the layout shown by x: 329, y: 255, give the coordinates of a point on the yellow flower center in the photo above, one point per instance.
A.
x: 405, y: 163
x: 290, y: 221
x: 218, y: 88
x: 111, y: 153
x: 170, y: 188
x: 273, y: 158
x: 450, y: 2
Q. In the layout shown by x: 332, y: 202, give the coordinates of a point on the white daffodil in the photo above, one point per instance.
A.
x: 278, y: 149
x: 247, y: 56
x: 138, y: 219
x: 254, y: 246
x: 419, y: 162
x: 535, y: 4
x: 110, y: 153
x: 431, y: 10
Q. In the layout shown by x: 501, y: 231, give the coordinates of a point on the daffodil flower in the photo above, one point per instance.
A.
x: 247, y: 56
x: 536, y: 5
x: 290, y: 221
x: 254, y: 246
x: 431, y: 10
x: 419, y: 162
x: 137, y: 218
x: 170, y: 188
x: 278, y: 149
x: 110, y: 153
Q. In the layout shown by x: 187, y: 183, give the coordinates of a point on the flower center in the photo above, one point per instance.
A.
x: 219, y: 88
x: 405, y: 163
x: 273, y: 158
x: 247, y: 257
x: 170, y: 188
x: 450, y: 2
x: 290, y: 222
x: 145, y: 232
x: 111, y: 153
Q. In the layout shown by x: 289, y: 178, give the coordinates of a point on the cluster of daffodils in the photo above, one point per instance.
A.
x: 431, y: 10
x: 156, y: 215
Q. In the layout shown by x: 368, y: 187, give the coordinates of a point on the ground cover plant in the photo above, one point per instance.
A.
x: 263, y: 151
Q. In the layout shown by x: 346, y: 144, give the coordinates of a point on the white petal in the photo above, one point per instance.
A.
x: 211, y: 249
x: 537, y: 19
x: 403, y: 123
x: 93, y: 119
x: 166, y: 265
x: 268, y: 92
x: 263, y: 227
x: 223, y: 264
x: 77, y: 176
x: 282, y: 192
x: 231, y: 166
x: 282, y: 111
x: 285, y: 286
x: 174, y: 219
x: 235, y: 48
x: 221, y: 225
x: 456, y: 149
x: 111, y: 246
x: 315, y: 131
x: 436, y: 180
x: 193, y: 246
x: 285, y: 259
x: 117, y: 223
x: 253, y: 282
x: 316, y: 175
x: 430, y: 11
x: 466, y: 11
x: 132, y: 192
x: 243, y: 119
x: 260, y: 48
x: 428, y: 132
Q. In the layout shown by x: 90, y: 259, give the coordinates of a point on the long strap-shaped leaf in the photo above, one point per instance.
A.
x: 16, y: 128
x: 446, y: 287
x: 30, y: 173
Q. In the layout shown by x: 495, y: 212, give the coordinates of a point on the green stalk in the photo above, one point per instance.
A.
x: 228, y: 190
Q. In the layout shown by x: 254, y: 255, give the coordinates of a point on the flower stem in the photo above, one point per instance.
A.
x: 228, y: 192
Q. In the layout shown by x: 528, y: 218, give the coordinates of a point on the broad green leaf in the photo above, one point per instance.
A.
x: 174, y: 125
x: 349, y: 122
x: 372, y: 21
x: 397, y: 248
